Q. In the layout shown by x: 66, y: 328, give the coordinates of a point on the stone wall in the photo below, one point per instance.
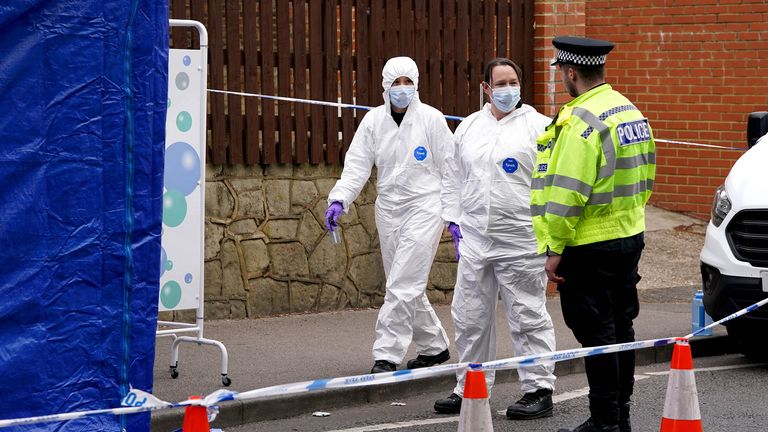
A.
x: 267, y: 251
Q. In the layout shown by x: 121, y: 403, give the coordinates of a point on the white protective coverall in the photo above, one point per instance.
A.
x: 489, y: 197
x: 410, y: 162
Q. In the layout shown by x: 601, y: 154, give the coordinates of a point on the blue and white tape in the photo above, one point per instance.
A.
x: 699, y: 145
x: 449, y: 117
x: 311, y: 101
x: 137, y: 401
x: 554, y: 357
x: 414, y: 374
x: 734, y: 315
x: 352, y: 381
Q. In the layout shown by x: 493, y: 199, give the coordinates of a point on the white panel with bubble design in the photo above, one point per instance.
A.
x: 182, y: 245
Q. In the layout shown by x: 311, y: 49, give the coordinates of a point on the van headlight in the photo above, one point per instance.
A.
x: 720, y: 206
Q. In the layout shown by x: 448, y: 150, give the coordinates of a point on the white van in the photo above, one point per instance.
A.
x: 734, y: 260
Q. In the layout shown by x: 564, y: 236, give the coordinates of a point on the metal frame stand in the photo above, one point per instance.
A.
x: 175, y: 328
x: 171, y: 328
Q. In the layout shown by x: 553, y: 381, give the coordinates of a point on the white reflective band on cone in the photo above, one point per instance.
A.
x: 685, y: 406
x: 475, y: 416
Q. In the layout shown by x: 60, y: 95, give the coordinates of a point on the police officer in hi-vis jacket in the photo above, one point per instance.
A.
x: 594, y: 173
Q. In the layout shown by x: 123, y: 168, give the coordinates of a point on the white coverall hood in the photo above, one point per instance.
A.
x: 397, y: 67
x: 394, y: 69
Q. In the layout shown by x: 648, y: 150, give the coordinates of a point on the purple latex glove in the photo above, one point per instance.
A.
x: 332, y: 215
x: 456, y: 235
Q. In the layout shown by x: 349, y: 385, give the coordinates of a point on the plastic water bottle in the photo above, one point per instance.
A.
x: 336, y: 235
x: 699, y: 317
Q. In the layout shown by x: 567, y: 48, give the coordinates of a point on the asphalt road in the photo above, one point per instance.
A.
x: 731, y: 392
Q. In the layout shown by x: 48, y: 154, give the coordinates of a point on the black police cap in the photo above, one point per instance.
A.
x: 581, y: 51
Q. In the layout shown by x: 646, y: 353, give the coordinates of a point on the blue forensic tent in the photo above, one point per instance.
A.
x: 83, y: 95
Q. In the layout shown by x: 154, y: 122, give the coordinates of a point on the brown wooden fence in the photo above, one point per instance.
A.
x: 334, y: 50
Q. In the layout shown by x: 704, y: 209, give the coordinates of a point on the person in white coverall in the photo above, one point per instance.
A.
x: 408, y: 141
x: 488, y: 185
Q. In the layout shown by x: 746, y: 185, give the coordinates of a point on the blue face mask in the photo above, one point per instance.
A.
x: 402, y: 95
x: 506, y: 98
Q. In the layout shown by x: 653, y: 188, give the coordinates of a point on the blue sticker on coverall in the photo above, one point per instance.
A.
x: 509, y: 165
x: 420, y: 153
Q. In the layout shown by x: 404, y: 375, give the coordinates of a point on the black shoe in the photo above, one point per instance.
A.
x: 380, y: 366
x: 532, y: 405
x: 624, y: 424
x: 428, y: 360
x: 449, y: 405
x: 591, y: 426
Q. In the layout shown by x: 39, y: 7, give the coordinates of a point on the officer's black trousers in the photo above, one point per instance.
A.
x: 599, y: 302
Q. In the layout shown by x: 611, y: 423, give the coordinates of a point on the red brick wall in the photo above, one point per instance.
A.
x: 553, y: 18
x: 696, y: 69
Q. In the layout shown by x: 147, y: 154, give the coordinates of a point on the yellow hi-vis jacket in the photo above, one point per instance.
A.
x: 594, y: 172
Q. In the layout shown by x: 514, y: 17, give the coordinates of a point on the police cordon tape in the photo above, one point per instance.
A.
x: 137, y: 401
x: 449, y: 117
x: 311, y: 101
x: 700, y: 145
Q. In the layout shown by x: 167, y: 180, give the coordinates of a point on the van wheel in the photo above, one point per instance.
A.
x: 749, y: 339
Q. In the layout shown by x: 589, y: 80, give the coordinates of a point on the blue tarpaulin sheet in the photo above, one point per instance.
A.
x: 83, y: 96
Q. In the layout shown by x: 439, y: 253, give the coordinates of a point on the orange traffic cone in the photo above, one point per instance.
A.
x: 681, y: 406
x: 196, y: 418
x: 475, y: 410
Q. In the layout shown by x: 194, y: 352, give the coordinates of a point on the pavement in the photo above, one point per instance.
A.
x: 286, y: 349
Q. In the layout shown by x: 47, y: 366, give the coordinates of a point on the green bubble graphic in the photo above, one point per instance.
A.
x: 170, y: 294
x: 168, y: 265
x: 174, y: 208
x: 184, y: 121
